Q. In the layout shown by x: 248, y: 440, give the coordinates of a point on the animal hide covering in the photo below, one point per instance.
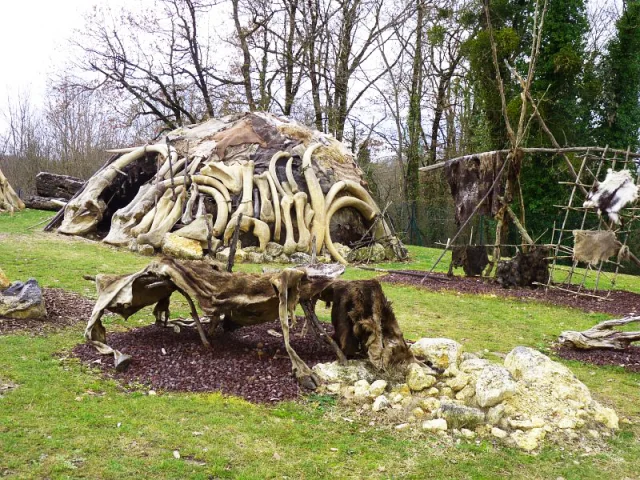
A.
x: 471, y: 180
x: 610, y: 196
x: 594, y: 246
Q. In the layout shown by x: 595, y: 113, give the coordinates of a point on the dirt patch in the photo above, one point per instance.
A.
x: 628, y: 358
x: 248, y: 362
x: 63, y: 309
x: 619, y: 303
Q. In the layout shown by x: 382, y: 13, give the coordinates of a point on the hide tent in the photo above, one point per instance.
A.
x: 9, y: 200
x: 274, y: 179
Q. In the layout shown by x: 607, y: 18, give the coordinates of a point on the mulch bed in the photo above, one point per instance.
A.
x: 628, y: 358
x: 63, y: 309
x: 619, y: 303
x: 248, y: 362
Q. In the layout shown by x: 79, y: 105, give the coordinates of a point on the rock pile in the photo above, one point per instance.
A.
x: 521, y: 402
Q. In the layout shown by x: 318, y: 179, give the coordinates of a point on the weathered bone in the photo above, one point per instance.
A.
x: 317, y: 198
x: 266, y: 208
x: 174, y: 168
x: 83, y: 213
x: 246, y: 201
x: 167, y: 215
x: 289, y: 242
x: 304, y: 237
x: 223, y: 210
x: 308, y: 215
x: 259, y: 229
x: 229, y: 175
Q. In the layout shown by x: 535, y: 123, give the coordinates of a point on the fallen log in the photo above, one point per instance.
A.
x: 42, y: 203
x: 53, y: 185
x: 602, y: 335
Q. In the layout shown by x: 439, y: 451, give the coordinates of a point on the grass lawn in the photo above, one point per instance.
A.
x: 64, y: 421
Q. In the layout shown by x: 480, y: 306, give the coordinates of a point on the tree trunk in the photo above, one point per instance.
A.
x: 52, y: 185
x: 45, y: 203
x: 602, y: 336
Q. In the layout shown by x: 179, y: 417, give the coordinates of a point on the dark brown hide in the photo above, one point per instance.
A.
x: 471, y: 180
x: 472, y: 258
x: 524, y: 269
x: 364, y: 323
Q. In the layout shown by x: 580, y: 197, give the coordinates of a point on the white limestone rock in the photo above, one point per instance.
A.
x: 377, y: 388
x: 435, y: 425
x: 499, y: 433
x: 350, y: 373
x: 441, y: 352
x: 459, y: 416
x: 493, y: 385
x: 380, y: 403
x: 181, y: 247
x: 419, y: 378
x: 528, y: 440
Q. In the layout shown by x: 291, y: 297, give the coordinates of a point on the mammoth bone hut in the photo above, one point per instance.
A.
x: 288, y: 188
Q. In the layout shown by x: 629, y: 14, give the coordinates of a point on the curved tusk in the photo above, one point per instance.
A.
x: 213, y: 183
x: 365, y: 209
x: 272, y: 169
x: 223, y: 209
x: 317, y: 198
x: 290, y: 179
x: 276, y: 208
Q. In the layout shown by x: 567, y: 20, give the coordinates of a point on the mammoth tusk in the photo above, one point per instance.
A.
x: 259, y: 228
x: 276, y: 207
x: 289, y: 243
x: 355, y: 189
x: 317, y: 197
x: 365, y: 209
x: 214, y: 183
x: 272, y: 169
x: 290, y: 179
x: 304, y: 237
x: 222, y: 207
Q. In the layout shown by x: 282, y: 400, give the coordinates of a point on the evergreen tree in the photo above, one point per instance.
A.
x: 620, y: 110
